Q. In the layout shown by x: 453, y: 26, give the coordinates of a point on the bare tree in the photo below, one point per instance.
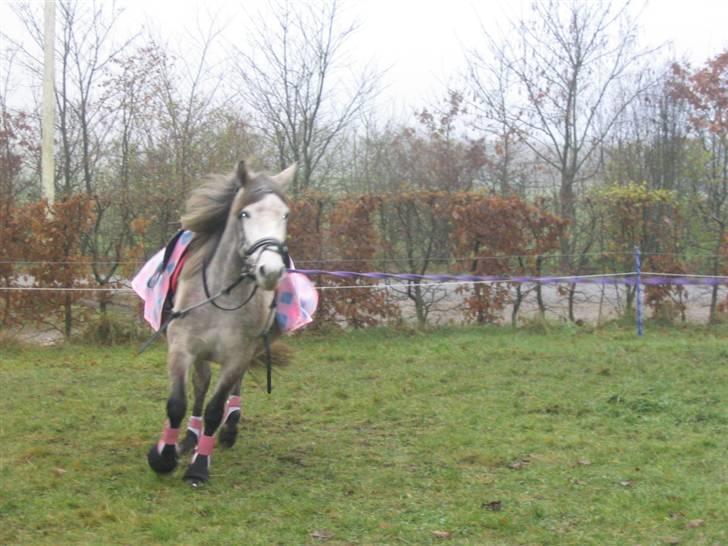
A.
x: 494, y: 108
x: 85, y: 48
x: 189, y: 91
x: 565, y: 67
x: 297, y: 85
x: 414, y: 231
x: 17, y: 138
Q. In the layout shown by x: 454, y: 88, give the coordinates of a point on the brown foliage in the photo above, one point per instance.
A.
x: 416, y: 230
x: 354, y: 239
x: 48, y: 240
x: 305, y: 231
x: 651, y: 219
x: 499, y: 236
x: 339, y: 235
x: 706, y: 92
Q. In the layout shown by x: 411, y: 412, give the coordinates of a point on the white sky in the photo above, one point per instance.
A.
x: 421, y: 42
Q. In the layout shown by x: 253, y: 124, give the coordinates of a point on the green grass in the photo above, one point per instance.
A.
x: 471, y: 436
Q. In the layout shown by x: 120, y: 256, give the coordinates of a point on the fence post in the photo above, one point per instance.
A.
x: 638, y: 291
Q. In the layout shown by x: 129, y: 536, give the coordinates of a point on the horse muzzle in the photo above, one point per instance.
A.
x: 268, y: 276
x: 270, y: 262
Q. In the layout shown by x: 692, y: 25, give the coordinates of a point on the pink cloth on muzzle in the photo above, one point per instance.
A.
x: 296, y: 302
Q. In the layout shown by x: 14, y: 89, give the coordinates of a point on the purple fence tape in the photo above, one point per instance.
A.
x: 626, y: 278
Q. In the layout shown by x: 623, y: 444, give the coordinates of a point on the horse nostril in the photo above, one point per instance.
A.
x: 262, y: 271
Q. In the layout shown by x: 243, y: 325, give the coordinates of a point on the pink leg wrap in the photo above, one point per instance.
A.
x: 194, y: 424
x: 233, y: 404
x: 169, y: 437
x: 206, y: 445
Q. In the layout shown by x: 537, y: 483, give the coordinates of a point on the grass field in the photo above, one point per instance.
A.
x: 470, y: 436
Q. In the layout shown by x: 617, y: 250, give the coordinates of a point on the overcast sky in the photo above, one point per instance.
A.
x: 421, y: 42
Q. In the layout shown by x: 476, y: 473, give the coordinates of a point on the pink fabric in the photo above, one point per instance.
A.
x: 296, y: 302
x: 155, y: 294
x: 233, y: 404
x: 195, y: 425
x: 170, y: 435
x: 206, y: 445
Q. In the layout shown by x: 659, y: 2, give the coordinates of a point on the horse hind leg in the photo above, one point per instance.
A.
x: 162, y: 456
x: 229, y: 431
x: 200, y: 382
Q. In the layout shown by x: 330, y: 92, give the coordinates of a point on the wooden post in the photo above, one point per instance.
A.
x: 48, y: 121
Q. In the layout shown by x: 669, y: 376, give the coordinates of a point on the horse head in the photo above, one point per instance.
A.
x: 261, y: 211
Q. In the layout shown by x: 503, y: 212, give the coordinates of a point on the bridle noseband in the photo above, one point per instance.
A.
x: 248, y: 272
x: 269, y: 244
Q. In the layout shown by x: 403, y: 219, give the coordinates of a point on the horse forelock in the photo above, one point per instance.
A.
x: 255, y: 190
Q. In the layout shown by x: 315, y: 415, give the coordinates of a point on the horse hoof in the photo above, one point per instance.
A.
x: 228, y: 435
x: 165, y: 462
x: 189, y: 443
x: 198, y: 473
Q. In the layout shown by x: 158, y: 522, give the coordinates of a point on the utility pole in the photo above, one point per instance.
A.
x: 49, y: 110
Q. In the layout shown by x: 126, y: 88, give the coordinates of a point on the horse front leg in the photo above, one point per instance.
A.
x: 162, y: 456
x: 198, y: 472
x: 229, y: 431
x: 200, y: 382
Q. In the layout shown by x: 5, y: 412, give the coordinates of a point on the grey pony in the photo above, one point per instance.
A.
x: 239, y: 227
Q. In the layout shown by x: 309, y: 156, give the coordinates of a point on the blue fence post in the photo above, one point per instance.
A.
x: 638, y: 291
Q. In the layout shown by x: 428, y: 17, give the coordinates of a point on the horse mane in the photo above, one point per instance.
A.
x: 206, y: 213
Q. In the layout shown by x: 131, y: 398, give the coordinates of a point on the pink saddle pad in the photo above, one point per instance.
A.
x: 153, y: 284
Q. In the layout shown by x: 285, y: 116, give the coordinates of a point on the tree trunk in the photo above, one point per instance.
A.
x: 539, y: 288
x: 516, y: 306
x: 420, y: 306
x: 713, y: 316
x: 567, y: 211
x: 572, y: 293
x: 602, y: 290
x: 67, y: 316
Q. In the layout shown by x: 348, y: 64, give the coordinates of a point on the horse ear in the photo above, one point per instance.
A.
x: 284, y: 178
x: 241, y: 174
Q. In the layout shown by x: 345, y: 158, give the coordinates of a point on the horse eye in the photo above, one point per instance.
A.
x: 244, y: 214
x: 285, y: 216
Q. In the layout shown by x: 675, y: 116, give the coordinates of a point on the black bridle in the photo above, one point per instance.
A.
x: 272, y: 245
x: 248, y: 272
